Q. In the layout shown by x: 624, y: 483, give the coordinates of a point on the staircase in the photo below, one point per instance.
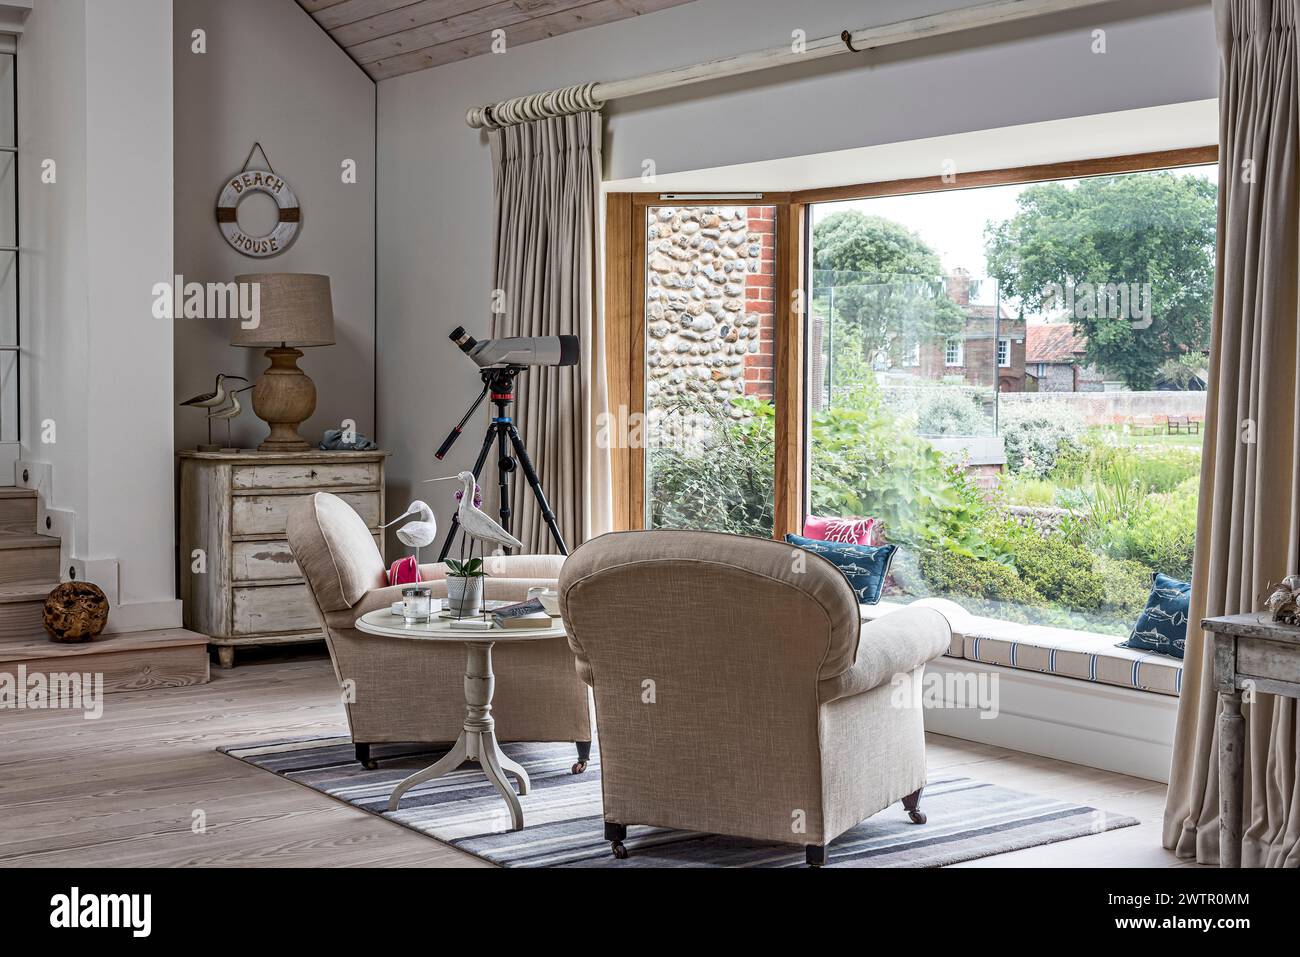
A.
x: 29, y: 570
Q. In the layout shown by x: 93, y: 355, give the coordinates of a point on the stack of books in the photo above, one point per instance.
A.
x: 524, y: 614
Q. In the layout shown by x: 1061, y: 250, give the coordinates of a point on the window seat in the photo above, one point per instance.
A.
x: 1082, y: 655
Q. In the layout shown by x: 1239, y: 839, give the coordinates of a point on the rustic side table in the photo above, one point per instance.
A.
x: 1252, y: 653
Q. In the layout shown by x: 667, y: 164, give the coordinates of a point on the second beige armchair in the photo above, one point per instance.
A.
x: 405, y: 691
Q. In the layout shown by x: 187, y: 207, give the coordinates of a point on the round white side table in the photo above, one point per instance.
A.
x: 478, y: 740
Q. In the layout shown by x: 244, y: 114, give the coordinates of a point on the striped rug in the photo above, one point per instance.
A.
x: 563, y: 826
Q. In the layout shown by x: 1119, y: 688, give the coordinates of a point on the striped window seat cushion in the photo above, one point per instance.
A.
x: 1055, y: 651
x: 1073, y: 654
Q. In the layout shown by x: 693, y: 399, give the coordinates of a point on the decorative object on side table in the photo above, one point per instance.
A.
x: 465, y: 587
x: 75, y: 611
x: 346, y: 440
x: 1252, y: 655
x: 549, y: 598
x: 472, y: 521
x: 213, y: 402
x: 419, y: 532
x: 295, y: 311
x: 229, y: 414
x: 1284, y: 602
x: 417, y: 604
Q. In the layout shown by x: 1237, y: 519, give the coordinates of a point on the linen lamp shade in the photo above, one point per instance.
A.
x: 294, y: 310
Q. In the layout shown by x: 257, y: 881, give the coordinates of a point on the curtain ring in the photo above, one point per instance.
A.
x: 847, y: 37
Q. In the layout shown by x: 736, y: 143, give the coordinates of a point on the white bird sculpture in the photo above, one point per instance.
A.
x: 476, y: 524
x: 418, y: 533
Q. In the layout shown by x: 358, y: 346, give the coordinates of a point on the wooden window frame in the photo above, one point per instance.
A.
x: 625, y: 249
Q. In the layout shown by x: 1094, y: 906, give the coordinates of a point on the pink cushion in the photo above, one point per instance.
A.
x: 404, y: 571
x: 850, y: 531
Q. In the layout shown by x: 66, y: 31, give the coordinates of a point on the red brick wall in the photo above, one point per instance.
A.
x: 760, y: 295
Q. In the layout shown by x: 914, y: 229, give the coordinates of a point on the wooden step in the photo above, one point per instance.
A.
x: 18, y: 507
x: 27, y: 557
x: 21, y: 605
x: 168, y: 658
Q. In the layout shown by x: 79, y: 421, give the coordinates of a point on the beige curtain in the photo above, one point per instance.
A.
x: 1249, y: 519
x: 546, y: 177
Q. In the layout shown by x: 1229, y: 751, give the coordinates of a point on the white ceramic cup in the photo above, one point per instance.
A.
x: 549, y: 597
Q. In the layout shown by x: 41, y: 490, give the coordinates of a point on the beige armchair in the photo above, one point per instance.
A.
x: 737, y: 691
x: 407, y: 691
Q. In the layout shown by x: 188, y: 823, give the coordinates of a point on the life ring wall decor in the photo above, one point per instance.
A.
x: 248, y: 181
x: 240, y: 186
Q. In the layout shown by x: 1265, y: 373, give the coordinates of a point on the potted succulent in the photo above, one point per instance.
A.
x: 465, y: 587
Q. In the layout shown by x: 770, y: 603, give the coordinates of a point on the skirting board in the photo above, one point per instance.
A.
x: 1096, y: 725
x: 143, y: 616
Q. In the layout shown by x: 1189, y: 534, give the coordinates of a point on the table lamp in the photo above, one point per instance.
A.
x: 295, y: 311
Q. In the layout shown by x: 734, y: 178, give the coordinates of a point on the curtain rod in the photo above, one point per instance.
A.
x: 593, y: 96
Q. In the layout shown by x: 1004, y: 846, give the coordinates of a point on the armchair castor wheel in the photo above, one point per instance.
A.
x: 815, y: 855
x: 616, y: 834
x: 911, y: 804
x: 364, y: 759
x: 584, y: 756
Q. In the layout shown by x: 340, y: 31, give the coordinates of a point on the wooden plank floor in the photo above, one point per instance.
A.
x: 123, y: 791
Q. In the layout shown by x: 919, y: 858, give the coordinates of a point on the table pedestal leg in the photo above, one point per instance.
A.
x: 1232, y: 773
x: 448, y: 762
x: 478, y: 740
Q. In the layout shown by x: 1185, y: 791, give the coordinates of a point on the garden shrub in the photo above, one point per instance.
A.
x: 1161, y: 535
x: 724, y: 485
x: 1034, y: 441
x: 956, y: 574
x: 951, y: 412
x: 1128, y: 584
x: 1060, y: 572
x: 867, y: 464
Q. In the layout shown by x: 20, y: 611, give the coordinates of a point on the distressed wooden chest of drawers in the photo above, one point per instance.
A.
x: 238, y: 581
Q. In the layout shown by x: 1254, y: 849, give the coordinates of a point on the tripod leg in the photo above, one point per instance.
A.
x: 535, y: 484
x: 505, y: 465
x: 478, y: 469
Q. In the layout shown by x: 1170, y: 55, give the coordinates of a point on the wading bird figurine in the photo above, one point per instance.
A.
x: 211, y: 400
x: 229, y: 413
x: 478, y: 527
x: 418, y: 533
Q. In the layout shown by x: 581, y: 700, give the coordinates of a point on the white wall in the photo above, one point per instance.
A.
x: 95, y: 96
x: 271, y: 75
x: 54, y: 309
x: 435, y: 182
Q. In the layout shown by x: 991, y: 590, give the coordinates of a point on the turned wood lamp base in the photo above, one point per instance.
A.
x: 284, y: 398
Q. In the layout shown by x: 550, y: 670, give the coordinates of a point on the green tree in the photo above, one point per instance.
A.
x: 888, y: 288
x: 1152, y: 234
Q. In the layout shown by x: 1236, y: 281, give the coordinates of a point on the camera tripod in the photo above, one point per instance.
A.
x: 499, y: 382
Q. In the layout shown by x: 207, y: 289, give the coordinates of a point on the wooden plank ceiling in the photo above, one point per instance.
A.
x: 391, y: 37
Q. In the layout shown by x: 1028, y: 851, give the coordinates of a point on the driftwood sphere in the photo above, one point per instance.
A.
x: 75, y: 611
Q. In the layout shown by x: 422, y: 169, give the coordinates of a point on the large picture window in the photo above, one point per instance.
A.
x: 1006, y: 373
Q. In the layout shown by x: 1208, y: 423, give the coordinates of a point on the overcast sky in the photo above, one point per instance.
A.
x: 952, y: 223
